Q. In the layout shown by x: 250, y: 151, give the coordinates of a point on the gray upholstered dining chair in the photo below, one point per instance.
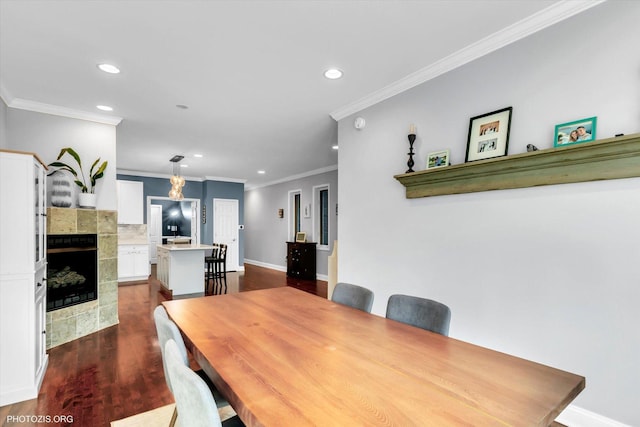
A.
x: 421, y: 312
x: 167, y: 330
x: 353, y: 295
x: 194, y: 401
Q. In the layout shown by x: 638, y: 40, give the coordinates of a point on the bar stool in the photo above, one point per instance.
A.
x: 217, y: 269
x: 209, y: 267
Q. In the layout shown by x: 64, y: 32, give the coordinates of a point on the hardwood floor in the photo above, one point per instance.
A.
x: 117, y: 372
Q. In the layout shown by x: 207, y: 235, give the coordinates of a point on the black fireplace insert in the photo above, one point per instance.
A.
x: 72, y: 273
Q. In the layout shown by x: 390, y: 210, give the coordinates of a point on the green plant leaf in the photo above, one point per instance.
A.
x: 71, y: 152
x: 81, y: 185
x: 80, y: 178
x: 93, y: 166
x: 100, y: 170
x: 65, y: 167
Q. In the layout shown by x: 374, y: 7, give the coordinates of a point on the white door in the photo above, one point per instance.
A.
x: 155, y: 232
x: 225, y: 229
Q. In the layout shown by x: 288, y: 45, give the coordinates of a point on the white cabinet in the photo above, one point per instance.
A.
x: 181, y: 268
x: 163, y: 267
x: 40, y: 323
x: 23, y: 222
x: 130, y: 202
x: 133, y: 263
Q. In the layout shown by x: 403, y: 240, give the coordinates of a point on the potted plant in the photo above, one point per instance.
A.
x: 87, y: 197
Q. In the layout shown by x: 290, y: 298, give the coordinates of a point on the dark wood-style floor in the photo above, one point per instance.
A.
x: 117, y: 372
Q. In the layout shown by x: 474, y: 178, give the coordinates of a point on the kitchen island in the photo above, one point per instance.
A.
x: 181, y: 268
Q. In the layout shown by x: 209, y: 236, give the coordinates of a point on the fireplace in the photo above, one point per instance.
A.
x: 72, y: 273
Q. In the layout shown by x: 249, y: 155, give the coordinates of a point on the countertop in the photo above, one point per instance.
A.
x: 185, y: 247
x: 177, y: 239
x: 132, y: 241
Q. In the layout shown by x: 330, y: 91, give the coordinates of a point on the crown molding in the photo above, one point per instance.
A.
x: 551, y: 15
x: 155, y: 175
x: 225, y: 179
x: 293, y: 177
x: 39, y: 107
x: 187, y: 178
x: 5, y: 95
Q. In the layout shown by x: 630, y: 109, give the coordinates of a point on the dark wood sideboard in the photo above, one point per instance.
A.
x: 301, y: 260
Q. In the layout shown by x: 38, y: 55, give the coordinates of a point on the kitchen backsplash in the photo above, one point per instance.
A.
x: 132, y: 234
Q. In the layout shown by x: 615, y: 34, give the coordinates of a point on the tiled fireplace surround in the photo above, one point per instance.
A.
x: 68, y: 324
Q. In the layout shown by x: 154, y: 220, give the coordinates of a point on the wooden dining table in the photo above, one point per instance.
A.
x: 283, y: 357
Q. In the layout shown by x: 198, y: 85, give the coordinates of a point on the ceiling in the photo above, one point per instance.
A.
x: 250, y: 72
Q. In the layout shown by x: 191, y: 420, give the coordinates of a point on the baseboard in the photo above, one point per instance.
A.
x: 574, y: 416
x: 9, y: 397
x: 266, y: 265
x: 134, y: 281
x: 239, y: 268
x: 280, y: 268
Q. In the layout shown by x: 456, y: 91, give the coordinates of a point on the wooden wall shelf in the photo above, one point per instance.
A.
x: 610, y: 158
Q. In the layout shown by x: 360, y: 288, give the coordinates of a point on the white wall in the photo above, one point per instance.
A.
x: 551, y: 273
x: 46, y: 135
x: 266, y: 234
x: 3, y: 124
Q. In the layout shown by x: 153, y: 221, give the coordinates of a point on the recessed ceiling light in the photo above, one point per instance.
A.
x: 108, y: 68
x: 198, y: 155
x: 335, y: 147
x: 261, y: 172
x: 184, y: 166
x: 104, y: 108
x: 333, y: 73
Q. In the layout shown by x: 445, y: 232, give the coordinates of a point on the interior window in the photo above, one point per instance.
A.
x: 321, y: 221
x: 295, y: 214
x: 324, y: 217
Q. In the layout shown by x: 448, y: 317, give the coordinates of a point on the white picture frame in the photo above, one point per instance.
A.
x: 438, y: 159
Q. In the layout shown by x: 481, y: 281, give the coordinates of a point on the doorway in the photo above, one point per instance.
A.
x: 170, y: 218
x: 225, y: 229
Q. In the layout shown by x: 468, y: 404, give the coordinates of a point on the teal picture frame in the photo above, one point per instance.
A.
x: 575, y: 132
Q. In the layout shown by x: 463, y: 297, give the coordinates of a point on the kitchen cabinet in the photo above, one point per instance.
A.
x: 130, y: 202
x: 181, y: 268
x: 133, y: 263
x: 23, y: 269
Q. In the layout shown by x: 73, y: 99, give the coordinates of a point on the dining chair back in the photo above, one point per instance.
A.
x: 420, y: 312
x: 353, y: 295
x: 194, y: 402
x: 167, y: 330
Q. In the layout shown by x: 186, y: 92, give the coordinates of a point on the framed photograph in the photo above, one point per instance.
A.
x: 575, y: 132
x: 438, y: 159
x: 301, y: 237
x: 489, y: 135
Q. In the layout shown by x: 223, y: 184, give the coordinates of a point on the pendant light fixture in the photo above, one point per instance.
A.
x: 177, y: 181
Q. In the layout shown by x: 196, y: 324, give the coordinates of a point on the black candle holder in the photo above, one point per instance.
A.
x: 410, y: 163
